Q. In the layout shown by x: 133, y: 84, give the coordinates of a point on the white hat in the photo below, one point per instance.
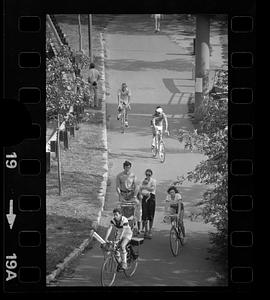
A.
x: 159, y: 110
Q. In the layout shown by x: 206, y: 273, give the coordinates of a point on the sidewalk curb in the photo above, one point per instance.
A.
x: 103, y: 188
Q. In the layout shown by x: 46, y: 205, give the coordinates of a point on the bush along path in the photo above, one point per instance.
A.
x: 72, y: 216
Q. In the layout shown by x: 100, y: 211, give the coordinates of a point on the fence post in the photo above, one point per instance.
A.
x: 58, y: 157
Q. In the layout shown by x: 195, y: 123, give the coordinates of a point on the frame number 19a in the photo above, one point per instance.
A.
x: 11, y: 265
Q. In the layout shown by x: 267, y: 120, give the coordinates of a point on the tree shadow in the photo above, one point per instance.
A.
x: 141, y: 65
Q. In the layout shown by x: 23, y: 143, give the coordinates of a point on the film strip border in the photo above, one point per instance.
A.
x: 24, y: 260
x: 24, y: 163
x: 241, y: 152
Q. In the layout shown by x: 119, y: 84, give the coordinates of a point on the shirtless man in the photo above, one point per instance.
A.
x: 127, y: 189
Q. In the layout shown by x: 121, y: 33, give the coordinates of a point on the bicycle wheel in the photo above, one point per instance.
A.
x: 162, y: 151
x: 181, y: 234
x: 123, y: 117
x: 154, y: 149
x: 174, y: 241
x: 132, y: 264
x: 108, y: 271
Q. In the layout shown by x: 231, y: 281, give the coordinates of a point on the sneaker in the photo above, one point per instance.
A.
x: 118, y: 117
x: 126, y: 124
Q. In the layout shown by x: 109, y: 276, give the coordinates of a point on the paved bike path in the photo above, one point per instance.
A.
x: 143, y: 59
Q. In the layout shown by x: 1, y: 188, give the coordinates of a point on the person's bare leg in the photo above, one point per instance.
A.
x: 124, y: 252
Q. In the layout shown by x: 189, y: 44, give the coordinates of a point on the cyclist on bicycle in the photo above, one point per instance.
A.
x: 123, y: 97
x: 128, y: 189
x: 174, y: 204
x: 123, y: 233
x: 157, y: 123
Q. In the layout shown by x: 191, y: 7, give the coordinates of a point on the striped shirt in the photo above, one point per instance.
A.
x: 122, y: 225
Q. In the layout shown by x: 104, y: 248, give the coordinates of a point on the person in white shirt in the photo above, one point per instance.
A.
x: 123, y: 97
x: 93, y: 79
x: 148, y: 194
x: 174, y: 204
x: 123, y: 233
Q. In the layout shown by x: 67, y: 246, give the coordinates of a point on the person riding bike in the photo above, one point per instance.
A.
x: 123, y: 233
x: 123, y: 97
x: 174, y: 205
x: 157, y: 123
x: 128, y: 189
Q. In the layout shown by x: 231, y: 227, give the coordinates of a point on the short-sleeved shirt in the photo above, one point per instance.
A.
x: 124, y: 95
x: 93, y: 75
x: 176, y: 201
x: 159, y: 118
x: 126, y: 182
x: 122, y: 225
x: 148, y: 184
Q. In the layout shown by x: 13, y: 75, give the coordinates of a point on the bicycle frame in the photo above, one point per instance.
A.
x: 123, y: 116
x: 159, y: 138
x: 111, y: 256
x: 158, y: 142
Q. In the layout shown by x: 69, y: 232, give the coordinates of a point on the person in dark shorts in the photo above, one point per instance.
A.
x: 148, y: 196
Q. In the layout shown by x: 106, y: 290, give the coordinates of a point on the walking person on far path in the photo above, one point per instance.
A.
x: 148, y: 194
x: 157, y: 18
x: 93, y: 79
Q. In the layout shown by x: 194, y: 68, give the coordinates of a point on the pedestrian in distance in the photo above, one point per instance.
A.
x: 157, y: 18
x: 93, y: 78
x: 147, y: 193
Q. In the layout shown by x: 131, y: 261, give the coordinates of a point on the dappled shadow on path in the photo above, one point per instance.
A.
x: 140, y: 65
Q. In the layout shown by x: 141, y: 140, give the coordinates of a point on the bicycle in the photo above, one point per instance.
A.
x: 123, y: 117
x: 159, y: 148
x: 112, y: 260
x: 177, y: 234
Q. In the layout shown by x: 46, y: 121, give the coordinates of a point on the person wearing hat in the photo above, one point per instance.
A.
x: 157, y: 123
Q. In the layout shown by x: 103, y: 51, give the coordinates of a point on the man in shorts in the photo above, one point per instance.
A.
x: 93, y: 79
x: 157, y: 22
x: 123, y: 233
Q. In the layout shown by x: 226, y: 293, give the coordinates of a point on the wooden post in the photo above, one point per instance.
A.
x: 54, y: 30
x: 202, y: 57
x: 80, y: 33
x: 58, y: 157
x: 90, y: 37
